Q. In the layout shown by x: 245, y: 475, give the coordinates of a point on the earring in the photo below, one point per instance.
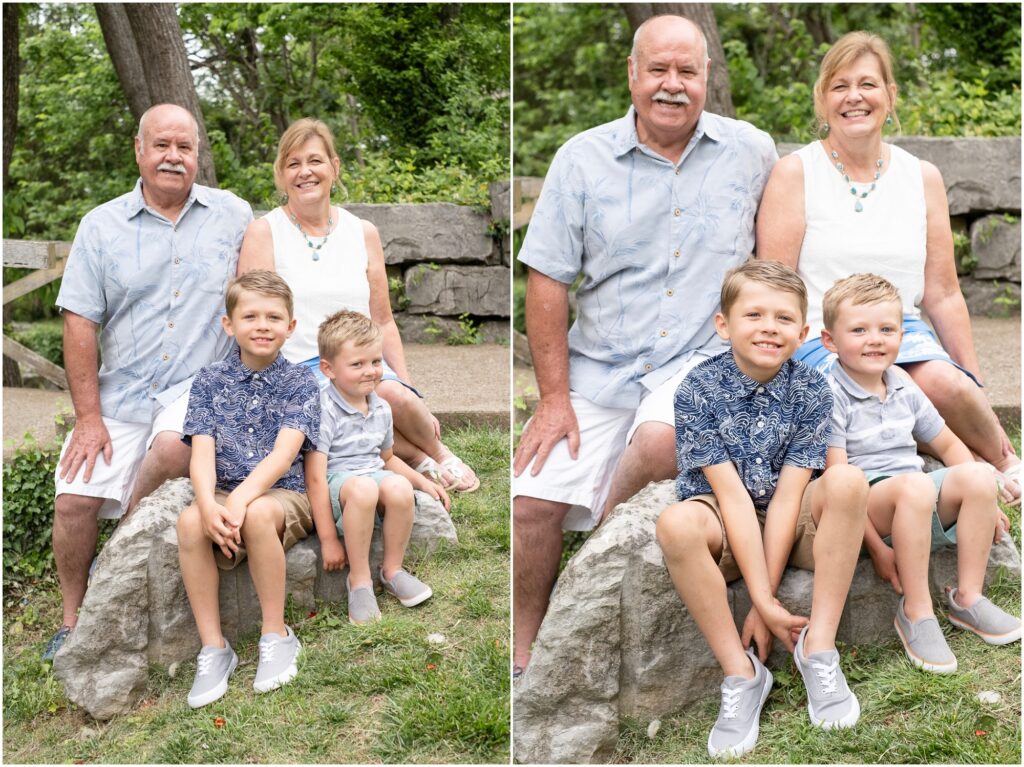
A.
x: 334, y: 188
x: 888, y: 118
x: 825, y: 128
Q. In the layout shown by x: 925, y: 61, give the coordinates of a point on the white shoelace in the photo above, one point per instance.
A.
x: 730, y: 702
x: 267, y: 651
x: 203, y: 663
x: 827, y: 676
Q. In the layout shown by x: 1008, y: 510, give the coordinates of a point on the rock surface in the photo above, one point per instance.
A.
x: 136, y: 611
x: 991, y: 298
x: 428, y: 329
x: 479, y: 290
x: 617, y: 641
x: 995, y: 244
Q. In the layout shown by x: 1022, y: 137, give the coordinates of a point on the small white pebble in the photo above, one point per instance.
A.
x: 652, y: 728
x: 87, y: 732
x: 989, y: 696
x: 436, y: 638
x: 172, y: 670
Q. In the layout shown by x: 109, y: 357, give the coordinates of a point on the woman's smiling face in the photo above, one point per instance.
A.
x: 309, y: 172
x: 857, y: 100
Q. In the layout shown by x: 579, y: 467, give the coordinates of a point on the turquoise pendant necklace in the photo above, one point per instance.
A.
x: 857, y: 195
x: 309, y: 242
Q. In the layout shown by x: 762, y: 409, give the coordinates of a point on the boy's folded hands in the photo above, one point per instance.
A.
x: 219, y: 526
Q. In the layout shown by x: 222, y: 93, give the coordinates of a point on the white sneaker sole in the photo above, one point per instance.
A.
x: 994, y: 639
x: 215, y: 693
x: 746, y: 745
x: 420, y: 598
x: 921, y: 663
x: 281, y: 679
x: 848, y: 720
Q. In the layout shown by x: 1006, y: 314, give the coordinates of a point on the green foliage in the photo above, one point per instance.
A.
x: 519, y: 304
x: 45, y: 338
x: 962, y: 253
x: 467, y: 333
x: 28, y: 511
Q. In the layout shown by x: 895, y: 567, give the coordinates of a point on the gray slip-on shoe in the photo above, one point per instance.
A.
x: 831, y: 704
x: 214, y: 666
x: 278, y: 664
x: 924, y: 643
x: 406, y: 588
x: 736, y: 730
x: 990, y: 622
x: 362, y: 604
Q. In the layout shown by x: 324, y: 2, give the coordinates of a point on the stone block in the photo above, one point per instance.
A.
x: 454, y: 290
x: 430, y: 329
x: 991, y: 298
x: 440, y: 232
x: 995, y: 244
x: 136, y: 611
x: 617, y: 640
x: 501, y: 199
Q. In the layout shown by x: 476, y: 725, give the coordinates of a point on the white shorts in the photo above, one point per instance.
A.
x: 604, y: 433
x: 130, y: 442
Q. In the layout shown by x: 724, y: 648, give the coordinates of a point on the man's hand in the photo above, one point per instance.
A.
x: 553, y: 421
x: 755, y: 630
x: 88, y: 440
x: 219, y: 529
x: 884, y: 561
x: 783, y: 625
x: 333, y: 553
x: 1002, y: 526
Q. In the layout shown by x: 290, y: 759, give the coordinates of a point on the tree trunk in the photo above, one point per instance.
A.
x: 154, y: 31
x: 12, y: 374
x: 117, y: 33
x: 719, y: 97
x: 12, y: 67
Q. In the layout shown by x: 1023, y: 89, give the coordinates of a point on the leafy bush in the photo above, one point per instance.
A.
x: 28, y: 511
x: 45, y: 338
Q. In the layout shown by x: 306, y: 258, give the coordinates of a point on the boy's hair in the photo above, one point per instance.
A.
x: 771, y: 273
x: 260, y: 281
x: 345, y: 326
x: 858, y: 289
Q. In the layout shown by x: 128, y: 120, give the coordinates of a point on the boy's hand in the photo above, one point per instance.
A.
x: 1002, y: 526
x: 218, y: 528
x: 884, y: 561
x: 434, y: 490
x: 783, y: 624
x: 236, y: 516
x: 755, y: 630
x: 333, y: 552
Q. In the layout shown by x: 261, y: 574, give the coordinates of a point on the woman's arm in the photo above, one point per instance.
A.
x: 257, y: 248
x: 380, y: 302
x: 780, y: 217
x: 943, y: 301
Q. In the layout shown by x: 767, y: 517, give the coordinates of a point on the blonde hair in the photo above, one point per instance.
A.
x: 771, y: 273
x: 298, y: 133
x: 345, y: 326
x: 844, y: 52
x: 260, y: 281
x: 858, y: 289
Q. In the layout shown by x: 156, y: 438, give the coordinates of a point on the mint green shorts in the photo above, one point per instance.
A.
x: 336, y: 479
x: 941, y: 537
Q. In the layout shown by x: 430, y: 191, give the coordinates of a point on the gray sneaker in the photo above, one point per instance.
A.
x: 278, y: 658
x: 735, y: 732
x: 991, y: 623
x: 831, y: 704
x: 362, y: 604
x: 406, y: 588
x: 924, y: 643
x: 213, y: 667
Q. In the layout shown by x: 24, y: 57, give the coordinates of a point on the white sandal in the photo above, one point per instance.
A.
x: 465, y: 480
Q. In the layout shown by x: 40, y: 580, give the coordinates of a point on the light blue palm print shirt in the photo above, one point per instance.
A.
x: 723, y: 415
x: 652, y: 241
x: 156, y: 290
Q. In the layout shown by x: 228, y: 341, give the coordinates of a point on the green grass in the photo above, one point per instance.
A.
x: 378, y: 693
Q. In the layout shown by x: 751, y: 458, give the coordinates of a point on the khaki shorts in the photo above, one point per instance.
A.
x: 800, y: 556
x: 298, y: 521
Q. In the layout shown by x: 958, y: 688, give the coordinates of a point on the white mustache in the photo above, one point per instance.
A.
x: 671, y: 98
x: 172, y: 167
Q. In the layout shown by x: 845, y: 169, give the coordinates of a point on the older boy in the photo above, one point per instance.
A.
x: 879, y: 418
x: 354, y: 472
x: 751, y: 426
x: 250, y: 418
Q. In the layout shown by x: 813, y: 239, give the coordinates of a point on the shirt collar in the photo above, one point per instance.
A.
x: 893, y: 383
x: 627, y: 139
x: 239, y: 372
x: 372, y: 401
x: 137, y: 201
x: 775, y: 387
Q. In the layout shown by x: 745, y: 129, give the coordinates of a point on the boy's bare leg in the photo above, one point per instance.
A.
x: 358, y: 507
x: 397, y: 499
x: 902, y: 506
x: 262, y: 529
x: 199, y: 573
x: 690, y: 536
x: 970, y: 490
x: 839, y: 509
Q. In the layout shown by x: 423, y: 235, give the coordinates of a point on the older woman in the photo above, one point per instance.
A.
x: 333, y: 260
x: 852, y: 203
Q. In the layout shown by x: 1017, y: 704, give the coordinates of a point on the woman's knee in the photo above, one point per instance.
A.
x: 944, y: 384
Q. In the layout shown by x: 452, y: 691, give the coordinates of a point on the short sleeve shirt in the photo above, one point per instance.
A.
x: 156, y: 289
x: 652, y: 241
x: 244, y: 410
x: 350, y: 440
x: 724, y: 416
x: 880, y: 437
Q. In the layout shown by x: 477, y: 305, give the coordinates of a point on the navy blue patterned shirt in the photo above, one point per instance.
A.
x: 244, y: 410
x: 722, y: 416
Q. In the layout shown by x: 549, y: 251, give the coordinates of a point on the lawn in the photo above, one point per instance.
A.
x: 427, y: 685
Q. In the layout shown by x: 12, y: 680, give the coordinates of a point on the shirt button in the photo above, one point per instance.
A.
x: 648, y: 366
x: 156, y: 386
x: 670, y: 292
x: 170, y: 324
x: 676, y: 253
x: 177, y: 260
x: 677, y: 171
x: 249, y: 455
x: 255, y: 401
x: 177, y: 293
x: 676, y: 212
x: 760, y: 424
x: 760, y: 493
x: 250, y: 430
x: 756, y: 460
x: 663, y: 333
x: 760, y: 390
x: 166, y: 357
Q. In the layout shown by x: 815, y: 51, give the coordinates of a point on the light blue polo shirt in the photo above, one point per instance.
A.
x: 652, y: 241
x: 156, y: 289
x: 350, y: 440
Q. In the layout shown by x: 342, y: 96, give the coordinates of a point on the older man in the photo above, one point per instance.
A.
x: 652, y: 209
x: 148, y: 272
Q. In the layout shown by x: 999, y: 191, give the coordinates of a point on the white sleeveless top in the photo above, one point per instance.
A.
x: 887, y: 238
x: 337, y: 281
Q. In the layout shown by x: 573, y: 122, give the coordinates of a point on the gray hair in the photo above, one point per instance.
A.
x: 636, y: 38
x: 140, y: 135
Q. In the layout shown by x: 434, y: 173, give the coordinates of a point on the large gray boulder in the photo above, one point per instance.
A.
x: 136, y: 612
x: 618, y: 642
x: 478, y: 290
x: 995, y: 243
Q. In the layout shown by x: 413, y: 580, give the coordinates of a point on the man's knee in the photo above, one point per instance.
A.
x: 534, y: 513
x: 74, y: 508
x: 654, y: 449
x: 168, y: 455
